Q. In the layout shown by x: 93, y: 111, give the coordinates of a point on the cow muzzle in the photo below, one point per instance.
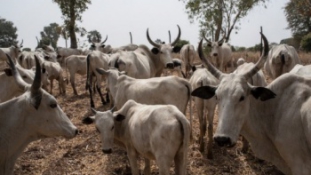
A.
x: 170, y: 65
x: 223, y: 141
x: 107, y: 151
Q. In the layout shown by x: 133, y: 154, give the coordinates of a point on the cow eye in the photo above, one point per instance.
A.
x: 112, y: 128
x: 24, y: 76
x: 53, y: 105
x: 242, y: 98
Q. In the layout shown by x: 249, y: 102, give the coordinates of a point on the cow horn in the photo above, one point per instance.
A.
x: 105, y: 40
x: 131, y: 39
x: 93, y: 111
x: 21, y: 45
x: 19, y: 81
x: 217, y: 73
x: 222, y: 39
x: 36, y: 94
x: 151, y: 42
x: 178, y: 36
x: 113, y: 109
x: 261, y: 61
x: 207, y: 40
x: 169, y: 37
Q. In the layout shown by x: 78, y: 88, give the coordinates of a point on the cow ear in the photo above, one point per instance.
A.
x: 103, y: 45
x: 155, y: 50
x: 8, y: 72
x: 119, y: 117
x: 205, y: 92
x: 220, y: 44
x: 193, y: 68
x: 176, y: 49
x: 262, y: 93
x: 102, y: 71
x: 88, y: 120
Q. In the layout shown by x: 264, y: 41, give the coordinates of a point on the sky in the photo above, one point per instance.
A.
x: 116, y: 18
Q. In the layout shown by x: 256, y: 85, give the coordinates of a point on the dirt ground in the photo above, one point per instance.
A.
x: 82, y: 155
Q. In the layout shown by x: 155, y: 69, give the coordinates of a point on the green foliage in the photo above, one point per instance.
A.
x: 181, y: 43
x: 72, y: 10
x: 217, y: 15
x: 8, y: 34
x: 94, y: 36
x: 255, y: 48
x: 50, y: 34
x: 298, y: 15
x: 306, y: 43
x: 26, y: 49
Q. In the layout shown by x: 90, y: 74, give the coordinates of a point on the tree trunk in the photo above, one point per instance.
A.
x: 71, y: 27
x: 219, y: 20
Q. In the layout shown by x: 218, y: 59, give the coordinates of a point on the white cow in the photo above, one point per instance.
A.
x: 281, y: 59
x: 13, y: 51
x: 205, y: 108
x: 221, y: 52
x: 9, y: 88
x: 32, y: 116
x: 96, y: 59
x: 55, y: 71
x: 75, y: 64
x: 63, y: 53
x: 187, y: 55
x: 159, y: 132
x: 275, y: 119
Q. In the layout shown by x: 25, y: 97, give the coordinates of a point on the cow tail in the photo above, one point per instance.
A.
x: 187, y: 137
x: 87, y: 85
x: 66, y: 70
x: 190, y: 107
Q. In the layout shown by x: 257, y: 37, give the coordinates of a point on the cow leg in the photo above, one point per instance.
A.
x: 147, y: 170
x: 245, y: 145
x: 163, y: 164
x: 72, y: 82
x: 211, y: 105
x: 179, y: 160
x: 107, y: 96
x: 100, y: 94
x: 132, y: 156
x: 91, y: 93
x: 199, y: 105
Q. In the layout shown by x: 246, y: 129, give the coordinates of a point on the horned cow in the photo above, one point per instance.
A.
x: 187, y: 55
x: 159, y: 132
x: 33, y: 115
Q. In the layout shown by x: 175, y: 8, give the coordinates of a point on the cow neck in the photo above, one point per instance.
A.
x: 157, y: 67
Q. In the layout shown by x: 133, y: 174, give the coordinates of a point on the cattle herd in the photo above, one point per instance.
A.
x: 148, y: 110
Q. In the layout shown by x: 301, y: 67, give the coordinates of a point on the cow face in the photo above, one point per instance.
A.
x: 43, y: 115
x: 49, y: 53
x: 164, y: 51
x: 233, y: 95
x: 105, y: 124
x: 215, y: 48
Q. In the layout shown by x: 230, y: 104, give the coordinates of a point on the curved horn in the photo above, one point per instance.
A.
x: 178, y: 36
x: 21, y: 45
x: 151, y: 42
x: 217, y: 73
x: 223, y: 38
x: 261, y: 61
x: 93, y: 111
x: 131, y: 39
x: 169, y: 37
x: 113, y: 109
x: 207, y: 40
x: 105, y: 40
x: 19, y: 81
x: 36, y: 94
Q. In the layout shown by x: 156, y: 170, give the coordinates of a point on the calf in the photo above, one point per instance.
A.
x: 13, y: 51
x: 55, y: 71
x: 159, y: 132
x: 32, y: 116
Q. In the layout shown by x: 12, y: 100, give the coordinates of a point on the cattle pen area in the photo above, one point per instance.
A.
x: 83, y: 155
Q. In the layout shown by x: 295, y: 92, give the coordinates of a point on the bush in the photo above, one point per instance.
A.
x: 306, y: 43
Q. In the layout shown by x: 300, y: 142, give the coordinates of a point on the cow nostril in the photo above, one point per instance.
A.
x: 170, y: 65
x: 222, y: 141
x: 107, y: 151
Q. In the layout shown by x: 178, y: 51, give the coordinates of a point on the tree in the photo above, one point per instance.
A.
x: 8, y: 34
x: 298, y: 15
x: 181, y: 43
x: 72, y: 10
x: 50, y: 33
x: 219, y: 15
x: 94, y: 36
x: 306, y: 43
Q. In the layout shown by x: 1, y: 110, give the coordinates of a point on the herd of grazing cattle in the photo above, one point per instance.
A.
x: 148, y: 111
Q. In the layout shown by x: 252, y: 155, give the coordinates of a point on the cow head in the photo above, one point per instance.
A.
x: 17, y: 49
x: 281, y: 61
x: 165, y: 50
x: 234, y: 95
x: 49, y: 53
x: 215, y: 46
x: 105, y: 125
x: 43, y: 116
x: 101, y: 46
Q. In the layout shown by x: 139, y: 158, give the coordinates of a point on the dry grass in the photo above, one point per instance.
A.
x: 82, y: 155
